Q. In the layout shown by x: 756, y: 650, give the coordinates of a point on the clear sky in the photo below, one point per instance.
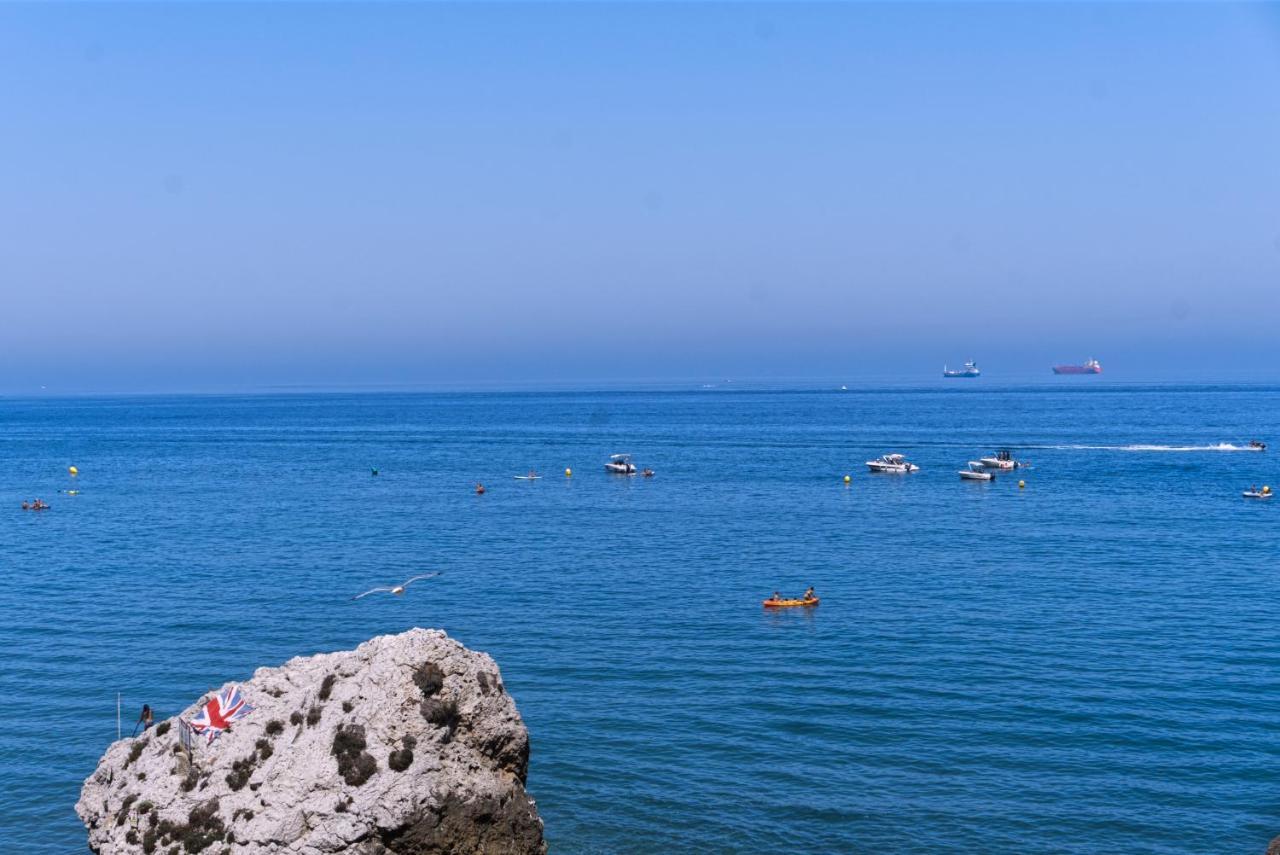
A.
x: 202, y: 196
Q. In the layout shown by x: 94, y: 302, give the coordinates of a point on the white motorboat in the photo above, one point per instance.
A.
x: 894, y: 463
x: 1002, y: 459
x: 620, y: 464
x: 977, y: 471
x: 1255, y: 493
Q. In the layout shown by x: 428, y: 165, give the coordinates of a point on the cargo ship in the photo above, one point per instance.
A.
x: 970, y: 370
x: 1092, y: 366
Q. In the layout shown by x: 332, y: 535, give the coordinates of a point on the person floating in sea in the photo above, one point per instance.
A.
x: 26, y: 506
x: 479, y: 489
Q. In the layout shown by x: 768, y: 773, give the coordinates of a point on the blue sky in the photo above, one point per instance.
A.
x: 205, y: 196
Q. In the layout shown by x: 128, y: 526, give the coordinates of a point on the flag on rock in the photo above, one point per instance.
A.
x: 217, y: 715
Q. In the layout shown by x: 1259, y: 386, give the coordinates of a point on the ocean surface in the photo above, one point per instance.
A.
x: 1089, y: 664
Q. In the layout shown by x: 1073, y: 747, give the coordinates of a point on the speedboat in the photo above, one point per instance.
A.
x: 977, y: 471
x: 620, y: 464
x: 1002, y: 459
x: 1264, y: 493
x: 1255, y: 445
x: 894, y: 463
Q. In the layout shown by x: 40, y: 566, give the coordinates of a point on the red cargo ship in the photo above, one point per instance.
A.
x: 1090, y: 367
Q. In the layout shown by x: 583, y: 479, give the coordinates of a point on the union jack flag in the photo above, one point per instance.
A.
x: 217, y: 715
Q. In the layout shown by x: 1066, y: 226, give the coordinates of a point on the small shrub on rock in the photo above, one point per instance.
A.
x: 346, y: 706
x: 162, y: 728
x: 326, y: 686
x: 442, y: 713
x: 355, y: 765
x: 134, y: 752
x: 240, y: 772
x: 313, y: 716
x: 400, y: 760
x: 203, y: 829
x: 123, y: 813
x: 295, y: 717
x: 275, y: 727
x: 428, y: 678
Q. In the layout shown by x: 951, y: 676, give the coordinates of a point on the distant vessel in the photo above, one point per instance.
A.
x: 976, y: 472
x: 620, y: 464
x: 1092, y: 366
x: 1002, y: 459
x: 970, y: 370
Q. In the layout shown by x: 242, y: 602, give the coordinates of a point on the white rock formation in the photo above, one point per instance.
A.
x: 407, y: 744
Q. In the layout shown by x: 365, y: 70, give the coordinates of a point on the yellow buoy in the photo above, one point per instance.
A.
x: 74, y: 471
x: 1022, y: 484
x: 568, y: 473
x: 847, y: 479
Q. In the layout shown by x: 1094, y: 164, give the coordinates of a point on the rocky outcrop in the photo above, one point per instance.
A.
x: 407, y: 744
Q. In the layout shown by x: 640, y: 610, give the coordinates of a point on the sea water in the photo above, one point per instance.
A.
x: 1088, y: 664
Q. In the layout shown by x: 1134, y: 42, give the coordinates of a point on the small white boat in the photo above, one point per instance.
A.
x: 1002, y: 459
x: 620, y: 464
x: 894, y: 463
x: 1264, y: 493
x: 977, y: 471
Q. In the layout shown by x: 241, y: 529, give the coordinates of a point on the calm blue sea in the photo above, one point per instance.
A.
x: 1086, y: 665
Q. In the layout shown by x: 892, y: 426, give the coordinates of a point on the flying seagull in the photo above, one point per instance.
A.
x: 398, y: 589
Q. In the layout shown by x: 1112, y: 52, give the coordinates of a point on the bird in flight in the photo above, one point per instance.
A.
x: 396, y: 589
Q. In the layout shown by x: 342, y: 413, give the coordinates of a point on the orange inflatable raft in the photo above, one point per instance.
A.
x: 790, y: 604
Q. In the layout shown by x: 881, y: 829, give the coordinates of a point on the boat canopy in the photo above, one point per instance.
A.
x: 619, y: 456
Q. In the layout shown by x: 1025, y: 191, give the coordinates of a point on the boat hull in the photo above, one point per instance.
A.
x: 1077, y: 369
x: 976, y: 476
x: 893, y: 470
